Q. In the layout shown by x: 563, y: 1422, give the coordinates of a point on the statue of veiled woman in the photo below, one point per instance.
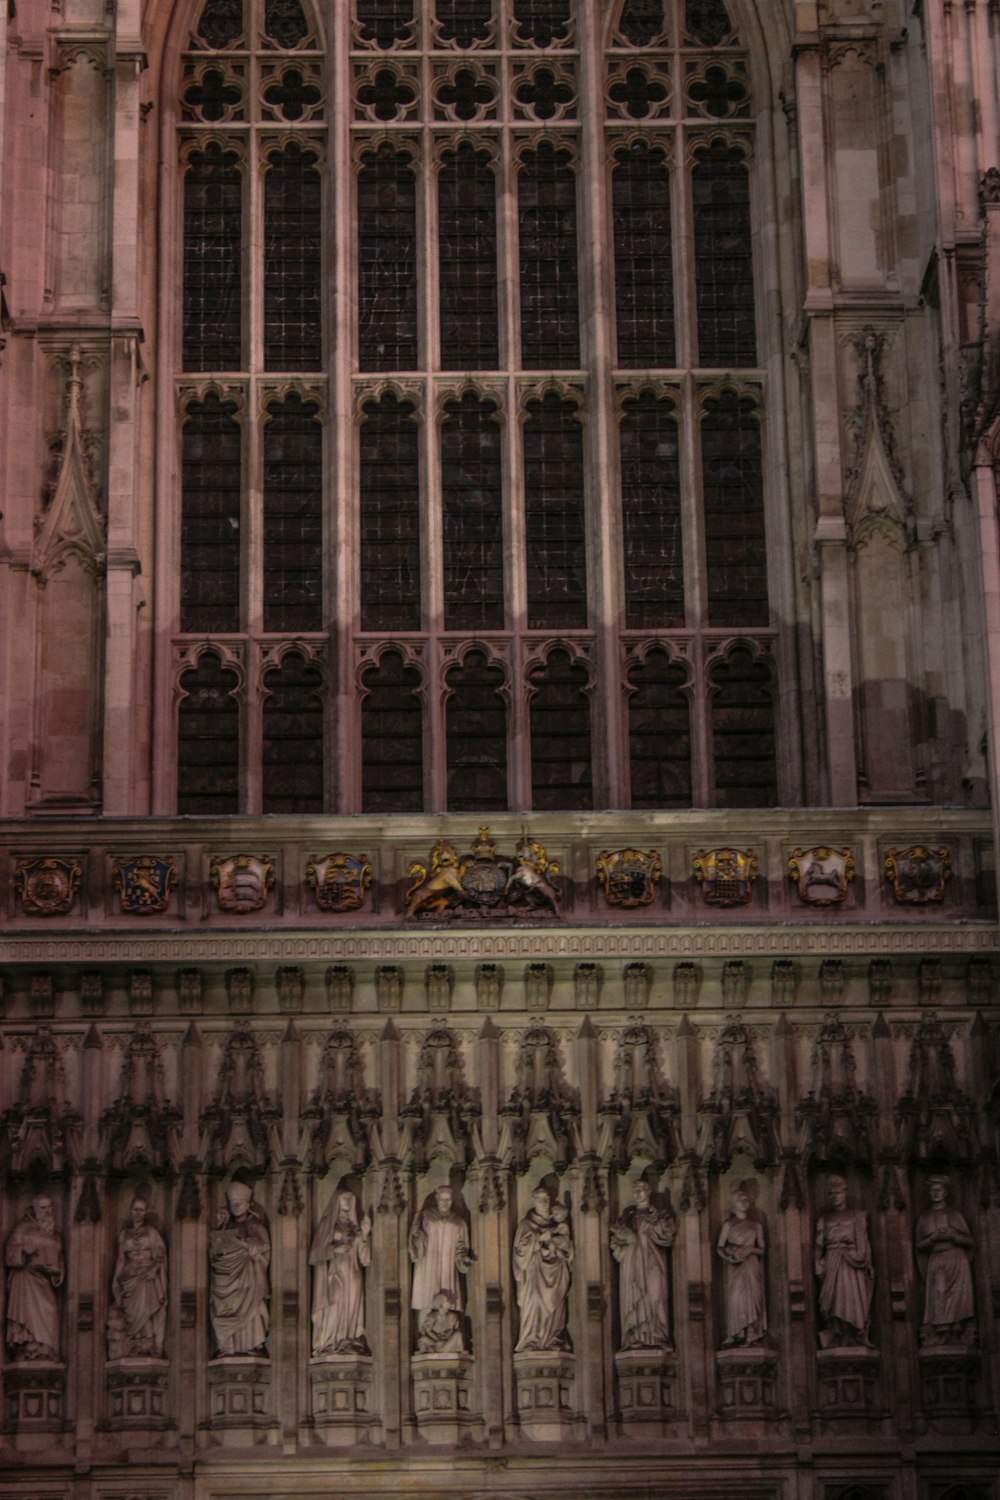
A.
x: 341, y: 1247
x: 639, y: 1243
x: 137, y: 1318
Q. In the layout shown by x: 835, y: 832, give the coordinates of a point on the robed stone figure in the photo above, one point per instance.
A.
x: 741, y: 1246
x: 944, y: 1254
x: 639, y: 1243
x: 35, y: 1271
x: 239, y: 1281
x: 440, y: 1252
x: 137, y: 1318
x: 843, y: 1260
x: 543, y: 1256
x: 341, y: 1247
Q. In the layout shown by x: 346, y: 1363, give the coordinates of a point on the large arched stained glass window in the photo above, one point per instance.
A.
x: 472, y: 470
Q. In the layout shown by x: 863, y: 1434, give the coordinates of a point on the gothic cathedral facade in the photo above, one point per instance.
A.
x: 499, y: 614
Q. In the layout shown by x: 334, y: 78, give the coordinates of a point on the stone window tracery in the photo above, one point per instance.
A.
x: 555, y: 447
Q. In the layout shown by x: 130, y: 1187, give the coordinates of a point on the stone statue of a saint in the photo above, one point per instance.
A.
x: 843, y: 1261
x: 639, y: 1243
x: 741, y: 1246
x: 440, y: 1252
x: 239, y: 1283
x: 35, y: 1271
x: 137, y: 1317
x: 543, y: 1256
x: 944, y: 1255
x: 341, y: 1247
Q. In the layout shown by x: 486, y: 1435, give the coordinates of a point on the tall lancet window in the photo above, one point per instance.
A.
x: 473, y: 471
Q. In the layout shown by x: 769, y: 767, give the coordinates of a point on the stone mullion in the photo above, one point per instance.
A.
x: 490, y: 1283
x: 830, y: 535
x: 519, y: 794
x: 695, y: 590
x: 605, y: 582
x: 341, y: 460
x: 126, y: 524
x: 388, y: 1300
x: 432, y: 571
x: 189, y: 1260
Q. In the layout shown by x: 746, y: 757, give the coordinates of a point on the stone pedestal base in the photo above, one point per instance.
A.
x: 442, y: 1396
x: 544, y: 1394
x: 341, y: 1397
x: 647, y: 1379
x: 746, y: 1383
x: 35, y: 1397
x: 239, y: 1395
x: 137, y: 1393
x: 948, y: 1375
x: 847, y: 1379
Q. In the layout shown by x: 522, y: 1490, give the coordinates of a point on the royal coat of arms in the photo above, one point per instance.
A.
x: 339, y: 881
x: 629, y: 876
x: 48, y: 887
x: 144, y: 884
x: 918, y: 875
x: 821, y: 874
x: 726, y: 876
x: 482, y: 882
x: 243, y: 881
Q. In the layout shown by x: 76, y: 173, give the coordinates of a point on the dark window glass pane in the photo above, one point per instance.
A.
x: 477, y: 737
x: 464, y: 21
x: 213, y: 198
x: 644, y: 276
x: 733, y: 488
x: 210, y: 517
x: 659, y: 733
x: 293, y: 517
x: 542, y: 21
x: 554, y: 516
x: 642, y: 21
x: 293, y: 737
x: 651, y: 515
x: 467, y: 232
x: 221, y: 23
x: 385, y: 22
x: 392, y: 755
x: 285, y: 23
x: 208, y: 739
x: 707, y: 21
x: 292, y: 336
x: 387, y: 292
x: 390, y: 517
x: 472, y: 515
x: 723, y: 263
x: 560, y: 735
x: 743, y: 732
x: 550, y: 323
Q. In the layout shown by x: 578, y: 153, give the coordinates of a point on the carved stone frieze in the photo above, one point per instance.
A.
x: 917, y: 876
x: 822, y: 875
x: 242, y: 882
x: 144, y: 884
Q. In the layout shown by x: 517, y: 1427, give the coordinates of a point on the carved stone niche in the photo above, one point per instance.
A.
x: 137, y: 1394
x: 341, y: 1398
x: 545, y: 1385
x: 847, y: 1383
x: 747, y: 1384
x: 35, y: 1398
x: 239, y: 1399
x: 647, y: 1385
x: 442, y: 1398
x: 948, y: 1378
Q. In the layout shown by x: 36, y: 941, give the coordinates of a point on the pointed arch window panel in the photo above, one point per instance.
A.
x: 472, y: 447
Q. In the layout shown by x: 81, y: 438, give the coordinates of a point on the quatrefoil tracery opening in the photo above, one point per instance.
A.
x: 718, y: 93
x: 544, y: 93
x: 386, y: 95
x: 214, y: 96
x: 638, y: 94
x: 467, y: 94
x: 293, y: 95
